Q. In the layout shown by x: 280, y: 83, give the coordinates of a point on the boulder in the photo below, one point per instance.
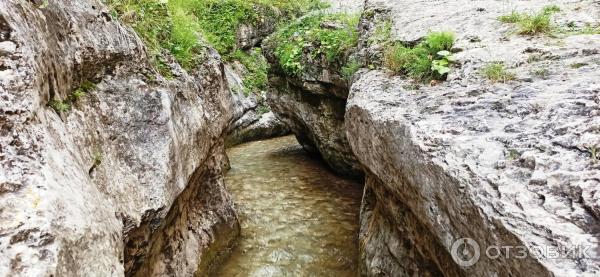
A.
x: 504, y: 166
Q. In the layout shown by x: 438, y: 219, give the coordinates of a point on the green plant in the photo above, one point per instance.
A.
x: 427, y: 61
x: 589, y: 30
x: 496, y: 72
x: 578, y: 65
x: 59, y: 106
x: 256, y: 79
x: 535, y: 24
x: 513, y: 154
x: 441, y: 65
x: 532, y: 24
x: 349, y: 69
x: 551, y: 9
x: 262, y: 109
x: 85, y: 87
x: 513, y: 17
x: 439, y: 41
x: 332, y: 43
x: 65, y: 105
x: 382, y: 32
x: 97, y: 159
x: 540, y: 72
x: 594, y: 152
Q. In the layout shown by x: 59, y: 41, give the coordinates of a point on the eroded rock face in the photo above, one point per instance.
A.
x: 252, y: 119
x: 126, y: 182
x: 504, y: 164
x: 316, y: 117
x: 312, y: 104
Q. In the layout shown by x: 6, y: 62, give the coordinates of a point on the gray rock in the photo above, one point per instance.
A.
x: 504, y: 164
x: 127, y: 181
x: 250, y: 121
x: 312, y: 105
x: 317, y: 121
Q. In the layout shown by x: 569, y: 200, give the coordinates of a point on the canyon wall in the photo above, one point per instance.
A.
x: 510, y: 163
x: 125, y: 180
x: 506, y: 164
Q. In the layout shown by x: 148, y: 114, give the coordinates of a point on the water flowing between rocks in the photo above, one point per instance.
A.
x: 297, y: 218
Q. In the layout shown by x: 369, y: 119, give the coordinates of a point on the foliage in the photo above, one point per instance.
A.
x: 496, y: 72
x: 97, y: 158
x: 177, y: 25
x: 256, y: 79
x: 427, y: 61
x: 330, y: 42
x: 535, y: 24
x: 578, y: 65
x: 540, y: 72
x: 532, y: 24
x: 262, y: 109
x: 441, y: 66
x: 551, y: 9
x: 61, y: 106
x: 588, y: 29
x: 349, y: 69
x: 513, y: 17
x: 382, y: 32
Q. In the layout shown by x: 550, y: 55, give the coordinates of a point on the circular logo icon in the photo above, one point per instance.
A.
x: 465, y: 252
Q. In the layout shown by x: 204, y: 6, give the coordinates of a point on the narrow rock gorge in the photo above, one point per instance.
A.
x: 471, y: 128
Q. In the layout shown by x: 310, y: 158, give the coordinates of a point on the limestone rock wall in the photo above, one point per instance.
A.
x: 252, y: 118
x: 111, y: 186
x: 506, y: 164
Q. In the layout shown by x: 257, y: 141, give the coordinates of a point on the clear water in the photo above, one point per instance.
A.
x: 297, y: 218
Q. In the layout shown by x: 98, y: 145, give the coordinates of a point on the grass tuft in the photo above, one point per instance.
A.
x: 532, y: 24
x: 496, y: 72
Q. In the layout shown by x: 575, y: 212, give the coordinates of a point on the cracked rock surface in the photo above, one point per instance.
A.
x: 125, y: 182
x: 506, y: 164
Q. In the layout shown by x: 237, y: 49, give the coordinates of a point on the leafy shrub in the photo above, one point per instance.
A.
x: 331, y: 42
x: 429, y: 60
x: 496, y: 72
x: 176, y: 25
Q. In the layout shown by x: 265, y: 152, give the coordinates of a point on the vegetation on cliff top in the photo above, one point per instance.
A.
x: 176, y: 26
x: 429, y: 60
x: 328, y: 36
x: 256, y: 79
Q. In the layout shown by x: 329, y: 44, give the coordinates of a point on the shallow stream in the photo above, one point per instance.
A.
x: 297, y: 218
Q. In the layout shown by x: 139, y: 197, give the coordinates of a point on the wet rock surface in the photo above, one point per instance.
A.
x: 506, y: 164
x: 110, y: 186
